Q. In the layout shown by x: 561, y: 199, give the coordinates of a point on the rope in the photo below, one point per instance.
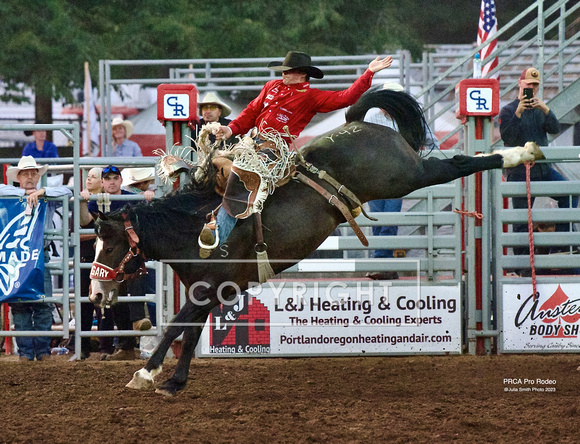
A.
x: 104, y: 202
x: 469, y: 213
x: 270, y: 170
x: 531, y: 230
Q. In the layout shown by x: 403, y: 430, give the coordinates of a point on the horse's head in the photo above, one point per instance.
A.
x: 117, y: 259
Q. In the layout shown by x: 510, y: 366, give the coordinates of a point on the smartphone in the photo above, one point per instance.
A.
x: 528, y: 93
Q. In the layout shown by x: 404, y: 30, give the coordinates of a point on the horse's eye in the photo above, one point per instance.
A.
x: 109, y: 250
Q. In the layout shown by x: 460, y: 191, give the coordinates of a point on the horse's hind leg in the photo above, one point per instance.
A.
x: 178, y: 381
x: 435, y: 171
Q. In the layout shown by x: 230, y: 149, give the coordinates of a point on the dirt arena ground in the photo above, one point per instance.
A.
x: 374, y: 399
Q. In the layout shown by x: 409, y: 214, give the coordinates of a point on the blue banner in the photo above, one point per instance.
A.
x: 21, y: 250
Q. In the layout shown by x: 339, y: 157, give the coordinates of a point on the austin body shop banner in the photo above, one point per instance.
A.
x: 549, y: 323
x: 296, y: 318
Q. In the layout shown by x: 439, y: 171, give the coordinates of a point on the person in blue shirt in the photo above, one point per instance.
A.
x: 35, y: 316
x: 122, y: 146
x: 41, y: 147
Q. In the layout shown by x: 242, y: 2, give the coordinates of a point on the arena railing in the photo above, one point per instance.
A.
x: 542, y: 212
x: 237, y: 74
x: 554, y: 58
x: 79, y: 166
x: 69, y: 292
x: 59, y: 268
x: 507, y: 268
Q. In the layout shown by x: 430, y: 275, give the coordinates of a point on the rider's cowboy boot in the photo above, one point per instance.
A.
x: 207, y: 241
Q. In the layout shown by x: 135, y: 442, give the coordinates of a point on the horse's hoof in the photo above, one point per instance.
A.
x: 534, y: 150
x: 169, y: 387
x: 143, y: 379
x: 164, y: 392
x: 521, y: 154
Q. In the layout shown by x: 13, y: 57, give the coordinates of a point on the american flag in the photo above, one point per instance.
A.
x: 486, y: 33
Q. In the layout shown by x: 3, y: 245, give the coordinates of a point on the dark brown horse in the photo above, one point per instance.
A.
x: 373, y: 161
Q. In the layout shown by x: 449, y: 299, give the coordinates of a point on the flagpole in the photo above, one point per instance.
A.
x: 87, y: 111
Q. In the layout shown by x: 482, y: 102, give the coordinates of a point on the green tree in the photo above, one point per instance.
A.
x: 40, y: 50
x: 46, y: 42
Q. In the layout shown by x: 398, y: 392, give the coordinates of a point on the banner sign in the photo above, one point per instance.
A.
x: 297, y: 318
x: 550, y: 323
x: 21, y: 250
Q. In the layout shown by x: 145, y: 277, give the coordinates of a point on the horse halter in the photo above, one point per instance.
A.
x: 102, y: 272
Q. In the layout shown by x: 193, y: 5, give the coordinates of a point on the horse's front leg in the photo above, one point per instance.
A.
x: 144, y: 378
x: 178, y: 381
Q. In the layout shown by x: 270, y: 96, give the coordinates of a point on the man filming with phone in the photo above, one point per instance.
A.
x: 529, y: 119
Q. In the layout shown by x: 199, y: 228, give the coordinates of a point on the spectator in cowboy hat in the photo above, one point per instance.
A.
x: 41, y: 147
x: 37, y: 315
x: 291, y: 101
x: 26, y: 163
x: 212, y: 109
x: 139, y: 180
x: 122, y: 146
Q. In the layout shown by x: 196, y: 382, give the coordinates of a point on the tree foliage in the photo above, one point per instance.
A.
x: 45, y: 42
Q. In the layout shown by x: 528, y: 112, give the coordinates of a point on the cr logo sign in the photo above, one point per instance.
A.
x: 176, y: 106
x: 479, y: 100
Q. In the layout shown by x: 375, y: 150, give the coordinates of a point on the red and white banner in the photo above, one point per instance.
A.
x: 550, y: 323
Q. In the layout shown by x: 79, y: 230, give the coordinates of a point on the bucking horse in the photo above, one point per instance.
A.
x: 370, y: 160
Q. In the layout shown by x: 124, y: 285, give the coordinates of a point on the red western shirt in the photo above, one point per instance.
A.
x: 294, y: 105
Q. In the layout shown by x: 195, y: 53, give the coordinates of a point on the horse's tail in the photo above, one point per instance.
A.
x: 400, y: 106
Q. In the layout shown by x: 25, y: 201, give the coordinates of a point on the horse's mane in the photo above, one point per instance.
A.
x: 400, y: 106
x: 165, y: 222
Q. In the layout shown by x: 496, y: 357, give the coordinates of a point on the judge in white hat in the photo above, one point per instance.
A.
x: 213, y: 109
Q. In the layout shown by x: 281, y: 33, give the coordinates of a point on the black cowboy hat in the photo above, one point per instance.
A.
x: 297, y: 59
